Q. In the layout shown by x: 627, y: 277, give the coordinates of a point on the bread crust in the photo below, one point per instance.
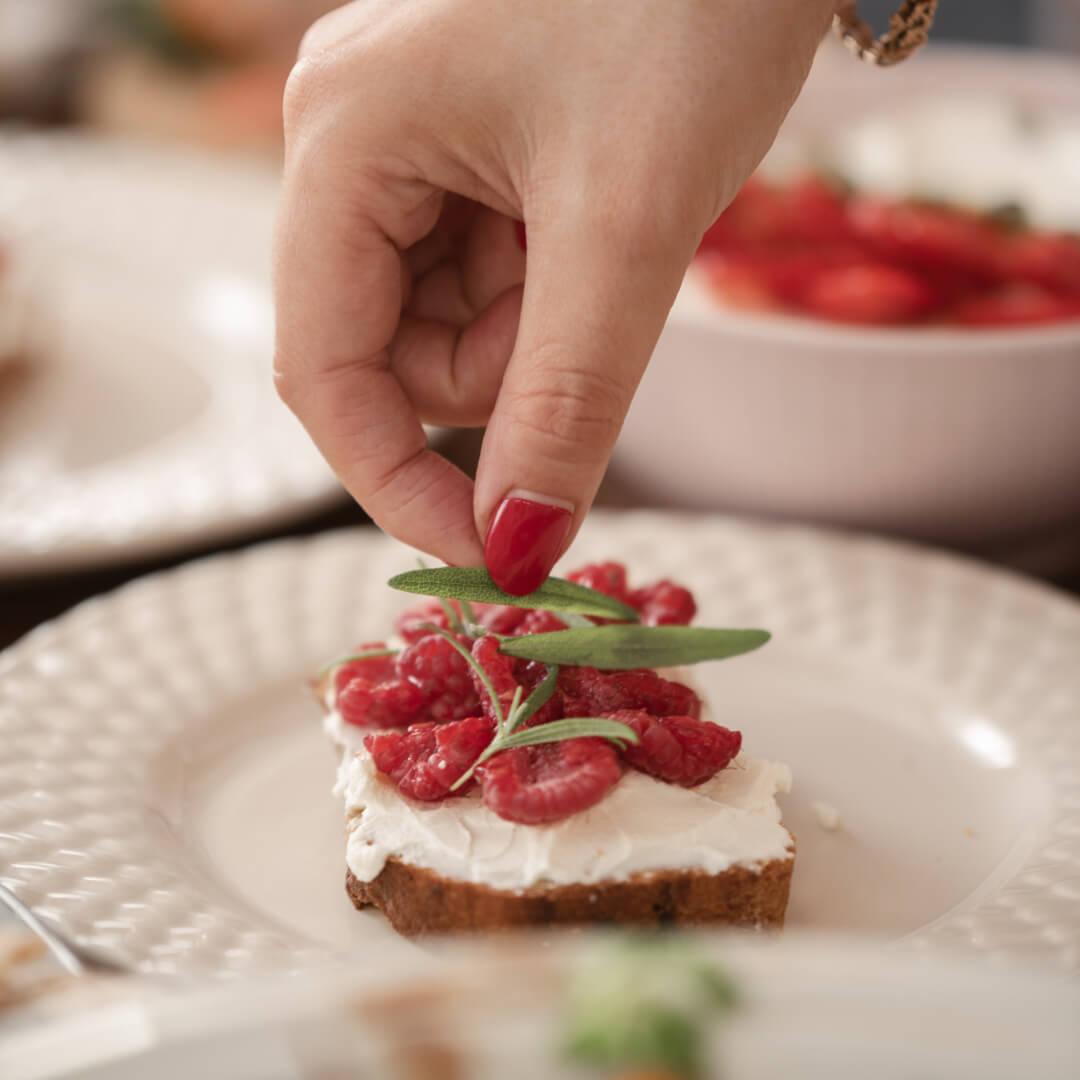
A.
x: 420, y: 901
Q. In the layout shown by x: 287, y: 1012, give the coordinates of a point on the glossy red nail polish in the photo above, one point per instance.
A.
x: 523, y: 542
x: 519, y: 232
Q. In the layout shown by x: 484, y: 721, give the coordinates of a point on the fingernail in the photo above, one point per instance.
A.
x: 524, y: 539
x: 519, y: 232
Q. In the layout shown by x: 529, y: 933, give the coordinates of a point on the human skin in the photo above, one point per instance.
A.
x: 418, y: 132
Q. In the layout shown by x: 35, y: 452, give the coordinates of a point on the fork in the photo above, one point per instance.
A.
x: 73, y: 958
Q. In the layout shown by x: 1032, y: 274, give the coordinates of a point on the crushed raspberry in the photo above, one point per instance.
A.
x: 380, y: 705
x: 416, y: 622
x: 500, y: 618
x: 589, y: 692
x: 608, y: 578
x: 679, y: 749
x: 376, y: 669
x: 425, y: 760
x: 442, y: 675
x: 664, y: 604
x: 538, y: 784
x: 499, y: 669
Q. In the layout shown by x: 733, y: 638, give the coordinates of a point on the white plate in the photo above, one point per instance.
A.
x: 150, y: 422
x: 165, y: 787
x: 815, y: 1009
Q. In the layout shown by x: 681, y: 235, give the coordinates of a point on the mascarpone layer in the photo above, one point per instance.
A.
x: 641, y: 825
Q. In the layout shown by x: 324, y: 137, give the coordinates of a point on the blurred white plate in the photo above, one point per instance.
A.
x: 149, y: 422
x: 165, y: 785
x: 817, y: 1009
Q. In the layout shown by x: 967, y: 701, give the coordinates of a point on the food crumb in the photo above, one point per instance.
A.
x: 828, y: 817
x: 969, y: 832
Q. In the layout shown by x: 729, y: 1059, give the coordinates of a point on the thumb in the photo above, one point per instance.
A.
x: 596, y: 297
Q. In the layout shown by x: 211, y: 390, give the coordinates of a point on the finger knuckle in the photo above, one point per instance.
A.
x: 305, y: 88
x: 575, y: 413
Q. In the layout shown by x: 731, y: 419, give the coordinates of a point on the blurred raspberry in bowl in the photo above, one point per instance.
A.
x: 812, y: 247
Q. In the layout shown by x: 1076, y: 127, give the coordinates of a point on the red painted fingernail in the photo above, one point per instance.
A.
x: 523, y: 542
x: 519, y: 232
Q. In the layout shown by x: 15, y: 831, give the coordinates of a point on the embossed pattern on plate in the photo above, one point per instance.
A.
x: 111, y: 717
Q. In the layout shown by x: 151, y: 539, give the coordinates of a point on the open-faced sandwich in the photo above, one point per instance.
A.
x: 544, y: 759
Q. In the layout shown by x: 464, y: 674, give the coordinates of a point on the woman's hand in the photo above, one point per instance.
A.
x: 418, y: 133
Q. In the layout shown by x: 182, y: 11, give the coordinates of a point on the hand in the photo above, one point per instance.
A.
x: 418, y: 132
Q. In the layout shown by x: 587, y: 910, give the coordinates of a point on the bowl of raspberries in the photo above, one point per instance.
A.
x: 887, y: 337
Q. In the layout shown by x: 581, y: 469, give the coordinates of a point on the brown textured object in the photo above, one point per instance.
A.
x: 420, y: 901
x: 909, y: 29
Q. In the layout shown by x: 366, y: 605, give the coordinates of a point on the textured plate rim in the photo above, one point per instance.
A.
x: 1033, y: 912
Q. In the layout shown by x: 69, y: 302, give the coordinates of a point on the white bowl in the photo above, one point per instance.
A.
x: 949, y: 435
x: 952, y: 435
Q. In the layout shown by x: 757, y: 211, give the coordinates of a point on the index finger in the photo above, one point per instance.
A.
x: 337, y: 287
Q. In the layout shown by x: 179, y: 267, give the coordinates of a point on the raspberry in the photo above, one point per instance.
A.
x: 871, y: 293
x: 679, y: 749
x: 664, y: 604
x: 608, y: 578
x: 416, y: 622
x: 380, y: 705
x: 1051, y: 260
x: 537, y: 784
x: 530, y: 673
x: 377, y: 669
x: 1015, y: 305
x: 540, y: 622
x: 443, y: 677
x: 500, y: 618
x: 588, y: 692
x: 914, y: 234
x: 427, y: 759
x: 499, y: 669
x: 767, y: 278
x: 816, y: 213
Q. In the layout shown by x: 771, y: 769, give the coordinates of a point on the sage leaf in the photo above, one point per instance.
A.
x: 475, y: 585
x: 619, y: 647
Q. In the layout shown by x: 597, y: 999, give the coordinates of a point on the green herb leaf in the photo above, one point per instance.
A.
x: 467, y: 583
x: 453, y: 620
x: 575, y: 621
x: 540, y: 696
x: 619, y: 647
x: 576, y: 727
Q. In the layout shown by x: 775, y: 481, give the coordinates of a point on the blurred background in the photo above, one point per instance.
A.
x: 212, y: 72
x: 138, y: 155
